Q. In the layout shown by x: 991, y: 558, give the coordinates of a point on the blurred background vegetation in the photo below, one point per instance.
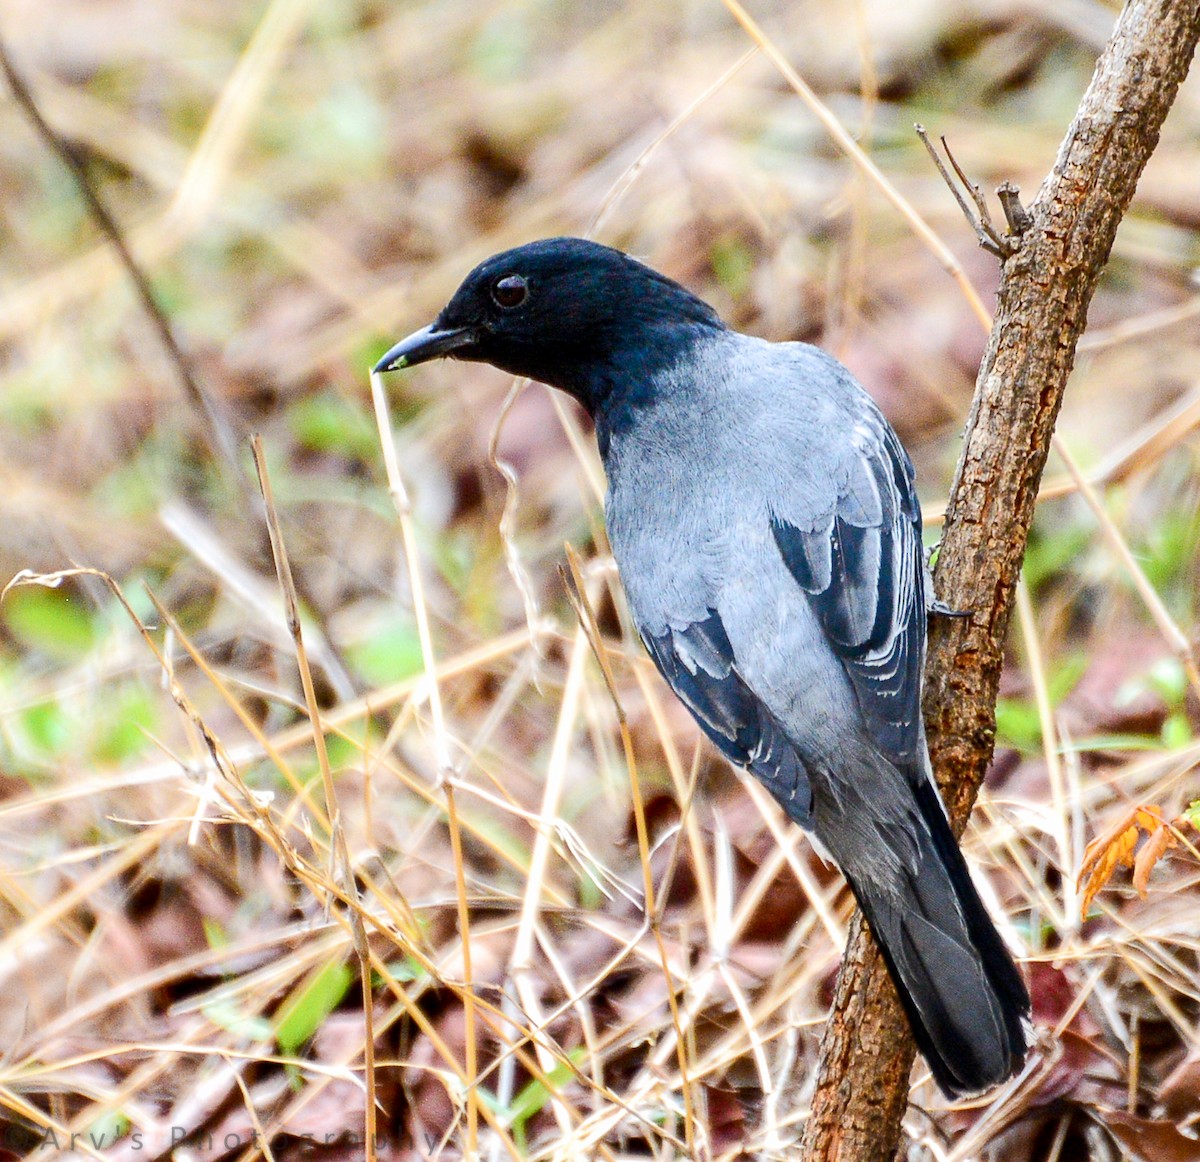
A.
x: 302, y: 184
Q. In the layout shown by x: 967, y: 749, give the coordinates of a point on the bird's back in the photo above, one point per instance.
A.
x: 750, y: 434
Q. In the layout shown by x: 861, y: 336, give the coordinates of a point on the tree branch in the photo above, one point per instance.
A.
x: 1046, y: 285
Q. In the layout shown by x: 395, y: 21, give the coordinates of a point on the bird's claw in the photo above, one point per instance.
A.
x: 941, y: 609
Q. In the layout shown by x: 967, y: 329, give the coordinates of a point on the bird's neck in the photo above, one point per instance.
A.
x: 619, y: 391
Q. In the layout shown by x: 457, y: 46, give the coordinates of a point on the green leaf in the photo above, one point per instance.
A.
x: 348, y: 752
x: 124, y: 724
x: 1176, y: 731
x: 390, y: 655
x: 1111, y: 742
x: 406, y: 971
x: 326, y: 423
x: 227, y: 1014
x: 54, y: 621
x: 301, y: 1015
x: 733, y: 264
x: 1017, y: 724
x: 214, y: 933
x: 533, y: 1097
x: 501, y: 49
x: 1065, y: 676
x: 1166, y: 680
x: 1169, y: 680
x: 108, y: 1129
x: 1168, y: 553
x: 47, y: 729
x: 1051, y: 552
x: 589, y: 894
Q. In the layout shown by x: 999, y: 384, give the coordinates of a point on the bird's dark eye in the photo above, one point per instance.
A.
x: 510, y: 291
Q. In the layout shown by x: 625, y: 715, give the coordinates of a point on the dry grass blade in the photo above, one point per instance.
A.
x: 341, y: 870
x: 854, y: 151
x: 232, y: 117
x: 291, y: 607
x: 625, y: 182
x: 441, y: 747
x: 1061, y: 805
x: 52, y: 1126
x: 1174, y: 636
x: 587, y: 619
x: 521, y: 960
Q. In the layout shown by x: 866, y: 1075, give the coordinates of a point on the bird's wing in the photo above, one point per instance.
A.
x: 698, y: 663
x: 861, y: 563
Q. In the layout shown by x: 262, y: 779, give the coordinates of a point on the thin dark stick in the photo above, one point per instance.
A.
x: 981, y: 222
x: 985, y: 215
x: 941, y: 168
x: 222, y: 438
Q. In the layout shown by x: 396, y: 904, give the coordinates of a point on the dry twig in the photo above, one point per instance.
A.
x: 219, y: 429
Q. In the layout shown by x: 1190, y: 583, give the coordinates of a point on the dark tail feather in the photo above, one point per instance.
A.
x: 963, y: 995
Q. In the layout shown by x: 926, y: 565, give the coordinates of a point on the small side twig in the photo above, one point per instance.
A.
x: 1001, y: 245
x: 985, y: 215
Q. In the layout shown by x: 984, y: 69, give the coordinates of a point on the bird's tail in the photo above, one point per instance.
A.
x: 962, y: 992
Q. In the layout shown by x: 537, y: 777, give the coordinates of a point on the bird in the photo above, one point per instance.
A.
x: 763, y: 517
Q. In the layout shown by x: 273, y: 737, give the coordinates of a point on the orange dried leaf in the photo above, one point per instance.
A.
x: 1152, y: 851
x: 1150, y: 819
x: 1115, y: 848
x: 1099, y: 864
x: 1098, y: 849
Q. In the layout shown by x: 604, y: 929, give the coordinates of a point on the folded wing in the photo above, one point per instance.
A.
x: 861, y: 565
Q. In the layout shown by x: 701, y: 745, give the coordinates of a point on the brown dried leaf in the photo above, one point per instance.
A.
x: 1148, y: 1140
x: 1104, y: 854
x: 1083, y: 1071
x: 726, y: 1120
x: 1179, y: 1094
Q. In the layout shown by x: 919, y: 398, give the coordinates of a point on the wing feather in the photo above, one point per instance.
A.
x: 862, y: 569
x: 698, y: 663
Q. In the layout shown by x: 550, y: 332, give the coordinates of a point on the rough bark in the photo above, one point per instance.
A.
x: 1046, y: 285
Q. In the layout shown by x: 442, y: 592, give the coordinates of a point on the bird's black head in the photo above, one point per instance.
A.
x: 574, y: 314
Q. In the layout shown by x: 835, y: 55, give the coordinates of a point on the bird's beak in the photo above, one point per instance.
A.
x: 423, y: 345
